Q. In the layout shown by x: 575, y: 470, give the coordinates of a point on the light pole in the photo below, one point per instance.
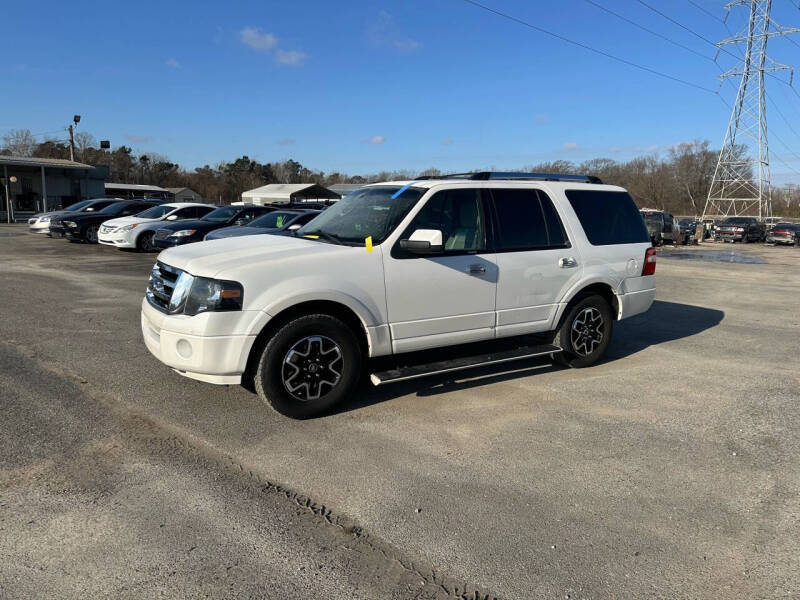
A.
x: 6, y: 181
x: 76, y: 119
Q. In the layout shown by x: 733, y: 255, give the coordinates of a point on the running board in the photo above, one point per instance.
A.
x: 458, y: 364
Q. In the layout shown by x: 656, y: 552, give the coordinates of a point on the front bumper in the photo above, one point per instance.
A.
x: 781, y: 239
x: 171, y: 242
x: 120, y: 239
x: 178, y: 342
x: 38, y: 227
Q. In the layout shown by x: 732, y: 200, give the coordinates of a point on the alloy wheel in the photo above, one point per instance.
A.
x: 312, y: 367
x: 587, y: 331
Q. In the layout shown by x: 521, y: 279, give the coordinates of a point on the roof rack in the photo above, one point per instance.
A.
x: 518, y: 175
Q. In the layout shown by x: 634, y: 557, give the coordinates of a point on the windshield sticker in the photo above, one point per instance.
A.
x: 368, y: 243
x: 403, y: 189
x: 280, y: 221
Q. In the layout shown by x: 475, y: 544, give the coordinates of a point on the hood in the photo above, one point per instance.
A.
x: 51, y: 214
x: 213, y: 258
x: 237, y: 231
x: 191, y: 224
x: 122, y: 221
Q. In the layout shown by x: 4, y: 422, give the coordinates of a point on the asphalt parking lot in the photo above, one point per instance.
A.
x: 670, y: 470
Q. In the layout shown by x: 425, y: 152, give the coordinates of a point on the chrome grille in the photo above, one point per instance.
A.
x: 161, y: 285
x: 163, y: 234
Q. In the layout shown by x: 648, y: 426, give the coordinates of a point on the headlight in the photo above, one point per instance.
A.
x: 183, y: 233
x: 128, y: 227
x: 195, y: 295
x: 44, y: 219
x: 69, y: 224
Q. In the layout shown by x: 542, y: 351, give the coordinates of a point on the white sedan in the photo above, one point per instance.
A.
x: 137, y: 231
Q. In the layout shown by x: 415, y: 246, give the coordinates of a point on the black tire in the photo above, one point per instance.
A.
x: 90, y: 234
x: 303, y: 354
x: 575, y: 351
x: 144, y: 243
x: 745, y: 239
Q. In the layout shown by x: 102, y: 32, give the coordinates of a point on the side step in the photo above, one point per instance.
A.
x: 458, y: 364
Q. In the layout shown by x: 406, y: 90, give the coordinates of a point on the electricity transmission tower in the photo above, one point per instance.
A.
x: 741, y: 183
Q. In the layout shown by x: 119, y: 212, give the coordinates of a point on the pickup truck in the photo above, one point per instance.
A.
x: 400, y: 267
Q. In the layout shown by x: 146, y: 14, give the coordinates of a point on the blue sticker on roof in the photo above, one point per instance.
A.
x: 403, y: 189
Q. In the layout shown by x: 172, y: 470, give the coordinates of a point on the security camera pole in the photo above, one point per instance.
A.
x: 76, y: 119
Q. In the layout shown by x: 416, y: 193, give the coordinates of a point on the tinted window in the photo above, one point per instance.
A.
x: 458, y: 215
x: 222, y: 214
x: 520, y: 221
x: 274, y: 219
x: 78, y: 205
x: 608, y: 217
x: 156, y: 212
x: 556, y: 237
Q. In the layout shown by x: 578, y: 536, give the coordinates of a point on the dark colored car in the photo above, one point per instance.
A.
x: 83, y: 226
x: 93, y: 205
x: 784, y: 233
x: 278, y: 221
x: 662, y: 227
x: 740, y: 229
x: 187, y: 232
x: 690, y: 227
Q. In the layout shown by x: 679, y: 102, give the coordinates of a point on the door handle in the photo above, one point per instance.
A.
x: 567, y: 262
x: 476, y: 269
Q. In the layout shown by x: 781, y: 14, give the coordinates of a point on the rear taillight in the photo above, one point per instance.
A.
x: 649, y: 266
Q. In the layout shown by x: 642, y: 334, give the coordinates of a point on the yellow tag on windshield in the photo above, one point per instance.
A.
x: 368, y: 243
x: 313, y: 237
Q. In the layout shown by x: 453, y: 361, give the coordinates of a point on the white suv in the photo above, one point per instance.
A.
x: 400, y: 267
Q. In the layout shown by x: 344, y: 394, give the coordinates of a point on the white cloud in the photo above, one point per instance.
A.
x: 261, y: 41
x: 376, y: 139
x: 292, y: 58
x: 173, y: 64
x: 257, y: 40
x: 383, y: 31
x: 137, y: 139
x: 569, y: 146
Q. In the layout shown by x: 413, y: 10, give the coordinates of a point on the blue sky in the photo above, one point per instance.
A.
x: 365, y: 86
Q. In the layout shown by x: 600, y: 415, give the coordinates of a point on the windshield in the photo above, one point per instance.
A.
x: 223, y: 214
x: 652, y: 218
x: 368, y: 212
x: 156, y: 212
x: 736, y: 221
x: 273, y: 220
x: 113, y: 209
x: 78, y: 205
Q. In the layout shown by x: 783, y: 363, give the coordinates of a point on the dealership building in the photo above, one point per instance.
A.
x: 39, y: 184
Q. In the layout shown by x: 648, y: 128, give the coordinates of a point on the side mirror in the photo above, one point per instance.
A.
x: 293, y: 227
x: 90, y: 209
x: 172, y: 218
x: 424, y: 242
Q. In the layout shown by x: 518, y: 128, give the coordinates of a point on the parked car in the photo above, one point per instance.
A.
x: 399, y: 267
x: 132, y: 232
x: 784, y: 233
x: 40, y: 222
x: 662, y: 227
x: 84, y: 226
x: 187, y: 232
x: 275, y: 222
x: 740, y: 229
x: 691, y: 229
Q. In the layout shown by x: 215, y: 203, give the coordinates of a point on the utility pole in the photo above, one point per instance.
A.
x: 741, y: 183
x: 76, y: 119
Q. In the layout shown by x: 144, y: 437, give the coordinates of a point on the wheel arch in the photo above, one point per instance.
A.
x: 600, y: 288
x: 327, y: 307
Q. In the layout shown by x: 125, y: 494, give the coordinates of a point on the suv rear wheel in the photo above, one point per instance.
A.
x: 585, y: 332
x: 310, y: 364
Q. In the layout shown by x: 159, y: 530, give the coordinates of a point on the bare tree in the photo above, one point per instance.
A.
x: 19, y: 142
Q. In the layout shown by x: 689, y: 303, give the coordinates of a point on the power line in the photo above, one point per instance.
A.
x: 586, y: 46
x: 705, y: 10
x: 692, y: 31
x: 650, y: 31
x: 778, y: 110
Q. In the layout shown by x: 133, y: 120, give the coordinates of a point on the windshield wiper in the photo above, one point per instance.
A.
x: 324, y: 235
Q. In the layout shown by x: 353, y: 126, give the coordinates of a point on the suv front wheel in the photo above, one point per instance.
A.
x: 585, y: 332
x: 310, y: 364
